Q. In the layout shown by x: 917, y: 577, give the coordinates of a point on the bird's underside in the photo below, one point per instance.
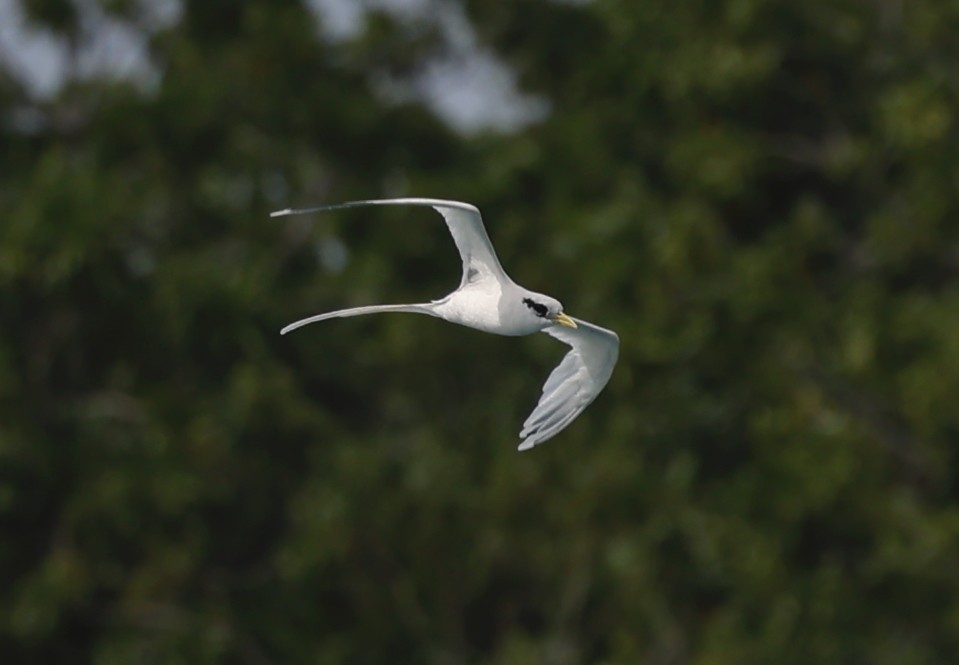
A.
x: 488, y: 300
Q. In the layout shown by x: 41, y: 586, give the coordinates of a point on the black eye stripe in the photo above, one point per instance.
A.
x: 540, y: 309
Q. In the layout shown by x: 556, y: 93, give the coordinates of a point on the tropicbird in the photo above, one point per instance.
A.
x: 488, y: 300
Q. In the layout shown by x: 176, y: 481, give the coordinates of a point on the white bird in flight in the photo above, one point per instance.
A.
x: 487, y: 299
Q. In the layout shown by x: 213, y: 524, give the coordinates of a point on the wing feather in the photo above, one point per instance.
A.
x: 574, y: 383
x: 463, y: 220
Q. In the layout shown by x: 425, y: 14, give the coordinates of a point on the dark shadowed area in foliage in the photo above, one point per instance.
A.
x: 761, y: 197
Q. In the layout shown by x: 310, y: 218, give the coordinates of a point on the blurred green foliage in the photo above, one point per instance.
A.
x: 759, y: 196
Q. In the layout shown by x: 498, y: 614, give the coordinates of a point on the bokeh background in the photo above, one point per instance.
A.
x: 760, y: 196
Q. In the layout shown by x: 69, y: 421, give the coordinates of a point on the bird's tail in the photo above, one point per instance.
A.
x: 424, y: 308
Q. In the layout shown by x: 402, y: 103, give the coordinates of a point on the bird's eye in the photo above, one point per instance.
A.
x: 539, y: 308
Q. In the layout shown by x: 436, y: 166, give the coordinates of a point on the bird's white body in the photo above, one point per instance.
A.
x: 488, y: 300
x: 475, y: 306
x: 480, y: 306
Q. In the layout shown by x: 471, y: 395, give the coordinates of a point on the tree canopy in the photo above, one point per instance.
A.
x: 759, y: 196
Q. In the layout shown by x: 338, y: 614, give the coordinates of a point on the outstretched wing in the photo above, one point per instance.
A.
x: 575, y: 382
x: 465, y: 224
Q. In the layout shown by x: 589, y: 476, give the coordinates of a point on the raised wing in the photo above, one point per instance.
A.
x: 575, y: 382
x: 465, y: 224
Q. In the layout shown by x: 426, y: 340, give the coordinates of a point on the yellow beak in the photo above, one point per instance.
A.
x: 564, y: 320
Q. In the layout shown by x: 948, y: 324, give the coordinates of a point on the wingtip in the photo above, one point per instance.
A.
x: 281, y: 213
x: 526, y: 445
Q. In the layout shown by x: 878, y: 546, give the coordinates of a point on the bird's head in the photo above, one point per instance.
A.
x: 548, y: 309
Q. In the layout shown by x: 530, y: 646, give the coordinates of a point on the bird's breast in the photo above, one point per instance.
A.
x: 481, y: 306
